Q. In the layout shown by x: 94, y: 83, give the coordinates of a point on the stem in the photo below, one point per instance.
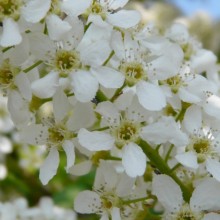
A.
x: 169, y: 152
x: 7, y: 48
x: 117, y: 93
x: 110, y: 56
x: 100, y: 96
x: 175, y: 167
x: 33, y: 66
x: 158, y: 161
x: 135, y: 200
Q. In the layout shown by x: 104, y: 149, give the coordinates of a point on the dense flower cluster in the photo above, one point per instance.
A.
x: 139, y: 104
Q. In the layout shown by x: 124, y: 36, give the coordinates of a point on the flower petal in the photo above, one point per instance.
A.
x: 213, y: 167
x: 206, y: 196
x: 134, y: 160
x: 11, y: 33
x: 76, y: 7
x: 188, y: 159
x: 46, y: 86
x: 34, y: 11
x: 167, y: 192
x: 124, y: 18
x: 151, y: 96
x: 87, y: 202
x: 70, y: 153
x: 84, y: 85
x: 95, y: 140
x: 49, y: 168
x: 108, y: 77
x: 57, y: 28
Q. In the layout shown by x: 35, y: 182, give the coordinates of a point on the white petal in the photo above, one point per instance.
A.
x: 61, y: 105
x: 87, y: 202
x: 192, y: 118
x: 34, y: 134
x: 83, y: 117
x: 211, y: 216
x: 24, y: 85
x: 151, y: 96
x: 187, y: 96
x: 11, y: 33
x: 188, y: 159
x: 49, y: 168
x: 76, y: 7
x: 84, y: 85
x: 134, y: 160
x: 212, y: 106
x: 206, y: 196
x: 81, y: 169
x: 57, y: 28
x: 165, y: 130
x: 96, y: 140
x: 115, y: 213
x: 108, y: 77
x: 213, y: 167
x: 46, y: 86
x: 167, y: 192
x: 96, y: 53
x: 109, y: 112
x: 34, y: 11
x: 70, y: 153
x: 124, y: 18
x: 116, y: 3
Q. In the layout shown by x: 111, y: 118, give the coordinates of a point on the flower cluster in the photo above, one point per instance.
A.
x: 139, y: 104
x: 46, y: 210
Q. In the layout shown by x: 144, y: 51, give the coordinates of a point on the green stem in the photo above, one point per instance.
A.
x: 162, y: 166
x: 117, y: 93
x: 175, y: 167
x: 100, y: 96
x: 6, y: 49
x: 32, y: 66
x: 135, y: 200
x: 110, y: 56
x: 114, y: 158
x: 169, y: 152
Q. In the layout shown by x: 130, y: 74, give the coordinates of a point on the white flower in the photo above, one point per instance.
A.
x: 123, y: 133
x: 55, y: 134
x: 106, y: 10
x: 205, y: 198
x: 132, y: 62
x: 203, y: 146
x: 110, y: 190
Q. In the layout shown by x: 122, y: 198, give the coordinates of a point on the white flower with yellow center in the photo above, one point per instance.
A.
x: 98, y: 11
x: 203, y: 146
x: 205, y: 199
x: 77, y: 63
x: 110, y: 190
x: 132, y: 61
x: 54, y: 133
x: 123, y: 133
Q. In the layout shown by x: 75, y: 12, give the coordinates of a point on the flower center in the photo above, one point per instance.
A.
x: 127, y: 132
x: 56, y: 136
x: 174, y: 83
x: 10, y: 8
x: 66, y: 61
x: 7, y: 73
x: 201, y: 146
x: 96, y: 8
x: 186, y: 216
x: 134, y: 72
